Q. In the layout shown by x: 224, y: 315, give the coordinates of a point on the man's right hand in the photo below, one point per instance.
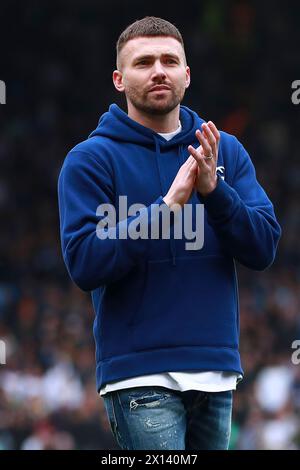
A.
x: 182, y: 186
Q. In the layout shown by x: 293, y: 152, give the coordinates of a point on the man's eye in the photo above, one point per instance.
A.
x: 171, y: 61
x: 142, y: 62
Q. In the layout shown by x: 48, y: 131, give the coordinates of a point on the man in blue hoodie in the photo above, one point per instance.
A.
x: 167, y: 318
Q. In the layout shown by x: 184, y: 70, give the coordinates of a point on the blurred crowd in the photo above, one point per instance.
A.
x: 57, y: 68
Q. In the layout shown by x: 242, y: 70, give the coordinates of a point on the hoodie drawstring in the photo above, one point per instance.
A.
x: 157, y: 156
x: 164, y: 190
x: 181, y: 154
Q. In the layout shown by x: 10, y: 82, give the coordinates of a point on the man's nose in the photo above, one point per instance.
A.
x: 158, y: 70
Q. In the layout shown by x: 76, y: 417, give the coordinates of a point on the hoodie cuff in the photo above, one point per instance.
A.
x: 221, y: 202
x: 152, y: 217
x: 160, y: 202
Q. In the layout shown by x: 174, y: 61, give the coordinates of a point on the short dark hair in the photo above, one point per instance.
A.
x: 148, y: 26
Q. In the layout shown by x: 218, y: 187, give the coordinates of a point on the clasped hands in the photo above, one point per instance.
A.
x: 199, y: 170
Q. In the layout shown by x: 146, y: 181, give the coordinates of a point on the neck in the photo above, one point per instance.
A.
x: 158, y: 123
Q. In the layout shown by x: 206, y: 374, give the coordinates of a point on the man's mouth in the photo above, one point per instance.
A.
x: 159, y: 88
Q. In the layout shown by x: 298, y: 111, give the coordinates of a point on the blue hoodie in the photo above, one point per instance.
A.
x: 160, y: 307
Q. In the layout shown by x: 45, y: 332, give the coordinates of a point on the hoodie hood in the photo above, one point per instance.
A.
x: 117, y: 125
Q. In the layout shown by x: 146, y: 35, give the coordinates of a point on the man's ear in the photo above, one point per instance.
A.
x: 118, y: 80
x: 187, y: 77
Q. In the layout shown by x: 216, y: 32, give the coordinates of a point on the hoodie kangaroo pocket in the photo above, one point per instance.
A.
x: 192, y: 303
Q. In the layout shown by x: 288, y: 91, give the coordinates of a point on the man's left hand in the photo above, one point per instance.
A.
x: 206, y: 156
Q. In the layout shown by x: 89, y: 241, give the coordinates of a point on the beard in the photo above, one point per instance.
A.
x: 153, y: 105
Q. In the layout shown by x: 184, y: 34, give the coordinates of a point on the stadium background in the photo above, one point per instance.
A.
x: 56, y: 60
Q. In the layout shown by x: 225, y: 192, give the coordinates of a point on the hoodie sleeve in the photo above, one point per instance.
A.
x: 93, y: 257
x: 243, y: 216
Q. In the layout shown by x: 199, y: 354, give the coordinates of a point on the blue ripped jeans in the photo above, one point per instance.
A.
x: 156, y: 418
